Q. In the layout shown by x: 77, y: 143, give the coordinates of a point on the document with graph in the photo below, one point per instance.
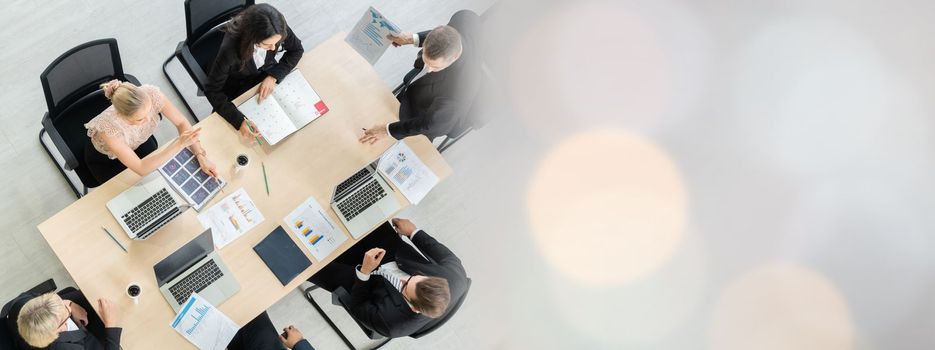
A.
x: 312, y: 226
x: 406, y: 171
x: 292, y: 105
x: 369, y: 35
x: 231, y: 217
x: 203, y: 325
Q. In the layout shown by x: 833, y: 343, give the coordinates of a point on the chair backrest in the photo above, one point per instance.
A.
x: 79, y: 72
x: 431, y: 327
x: 203, y: 15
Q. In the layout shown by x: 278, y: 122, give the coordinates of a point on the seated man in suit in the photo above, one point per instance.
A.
x: 435, y: 101
x: 400, y: 287
x: 64, y: 321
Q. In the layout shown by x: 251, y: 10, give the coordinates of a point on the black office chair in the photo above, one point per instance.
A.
x: 342, y: 298
x: 204, y: 20
x: 72, y: 92
x: 9, y: 335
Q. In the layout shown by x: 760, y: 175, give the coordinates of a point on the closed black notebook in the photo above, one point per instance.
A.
x: 282, y: 256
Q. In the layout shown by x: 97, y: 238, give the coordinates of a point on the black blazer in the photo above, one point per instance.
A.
x: 437, y: 103
x: 71, y: 340
x: 380, y: 307
x: 229, y: 78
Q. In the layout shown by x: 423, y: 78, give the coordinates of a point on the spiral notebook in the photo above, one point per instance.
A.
x: 292, y: 105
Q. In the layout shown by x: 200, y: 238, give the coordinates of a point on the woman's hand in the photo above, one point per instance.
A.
x: 189, y: 137
x: 207, y: 166
x: 248, y: 131
x: 266, y: 88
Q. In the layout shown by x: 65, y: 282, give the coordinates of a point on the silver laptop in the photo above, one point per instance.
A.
x: 195, y: 268
x: 147, y: 206
x: 363, y: 201
x: 155, y: 200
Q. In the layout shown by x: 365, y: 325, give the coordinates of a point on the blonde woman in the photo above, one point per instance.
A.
x: 122, y: 135
x: 51, y: 322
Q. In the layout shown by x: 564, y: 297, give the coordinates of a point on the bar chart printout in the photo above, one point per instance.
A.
x: 369, y: 35
x: 203, y: 325
x: 314, y: 229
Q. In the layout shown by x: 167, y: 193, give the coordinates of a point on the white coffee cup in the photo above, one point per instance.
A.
x: 240, y: 162
x: 134, y: 291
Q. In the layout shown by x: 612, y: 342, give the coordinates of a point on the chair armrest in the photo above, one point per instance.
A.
x: 45, y: 287
x: 341, y: 297
x: 191, y: 65
x: 132, y: 79
x: 70, y: 161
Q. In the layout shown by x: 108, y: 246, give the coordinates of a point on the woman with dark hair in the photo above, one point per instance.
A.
x: 248, y: 56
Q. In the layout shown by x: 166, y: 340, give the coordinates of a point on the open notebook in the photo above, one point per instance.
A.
x: 292, y: 105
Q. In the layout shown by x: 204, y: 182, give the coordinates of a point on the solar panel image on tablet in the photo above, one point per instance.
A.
x: 185, y: 174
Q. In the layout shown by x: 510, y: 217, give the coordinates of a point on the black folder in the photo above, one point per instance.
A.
x: 282, y: 256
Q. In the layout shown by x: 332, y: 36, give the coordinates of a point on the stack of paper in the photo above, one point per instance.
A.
x: 316, y: 231
x: 407, y: 172
x: 230, y: 218
x: 204, y: 325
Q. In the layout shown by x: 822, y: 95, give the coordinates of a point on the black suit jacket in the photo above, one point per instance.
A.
x: 71, y: 340
x: 229, y: 78
x: 379, y: 306
x: 437, y: 103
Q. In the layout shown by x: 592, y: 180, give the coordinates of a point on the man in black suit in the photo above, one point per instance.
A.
x: 399, y: 288
x: 434, y: 101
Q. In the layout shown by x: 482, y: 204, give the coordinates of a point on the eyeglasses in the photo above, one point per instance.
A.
x: 66, y: 316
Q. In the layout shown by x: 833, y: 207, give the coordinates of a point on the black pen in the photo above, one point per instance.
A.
x: 115, y: 239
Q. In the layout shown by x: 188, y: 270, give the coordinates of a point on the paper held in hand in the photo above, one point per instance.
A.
x: 204, y: 325
x: 369, y: 35
x: 292, y: 105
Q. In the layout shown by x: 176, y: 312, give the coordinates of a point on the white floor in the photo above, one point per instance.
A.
x: 147, y: 33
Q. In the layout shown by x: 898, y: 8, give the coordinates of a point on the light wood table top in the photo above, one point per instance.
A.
x: 308, y: 163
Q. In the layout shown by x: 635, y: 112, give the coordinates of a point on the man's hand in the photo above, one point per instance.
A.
x: 109, y: 313
x: 292, y: 337
x: 404, y: 227
x: 372, y: 260
x: 400, y: 39
x: 266, y: 88
x: 78, y: 313
x: 374, y: 134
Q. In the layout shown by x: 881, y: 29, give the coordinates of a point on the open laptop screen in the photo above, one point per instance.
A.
x: 183, y: 258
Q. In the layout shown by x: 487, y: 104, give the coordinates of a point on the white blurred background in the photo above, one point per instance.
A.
x: 713, y: 174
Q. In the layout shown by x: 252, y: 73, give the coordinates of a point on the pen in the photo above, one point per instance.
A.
x: 247, y: 121
x: 115, y: 239
x: 265, y: 181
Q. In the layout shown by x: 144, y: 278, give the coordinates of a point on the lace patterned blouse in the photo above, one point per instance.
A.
x: 109, y: 122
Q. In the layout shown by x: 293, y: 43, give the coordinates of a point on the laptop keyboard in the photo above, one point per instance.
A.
x: 197, y: 281
x: 344, y: 185
x: 359, y: 201
x: 153, y: 207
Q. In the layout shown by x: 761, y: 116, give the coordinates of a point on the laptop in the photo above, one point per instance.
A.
x: 363, y: 200
x: 146, y: 207
x: 195, y: 268
x: 161, y: 196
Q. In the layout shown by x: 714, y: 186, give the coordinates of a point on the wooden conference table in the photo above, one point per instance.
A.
x: 308, y: 163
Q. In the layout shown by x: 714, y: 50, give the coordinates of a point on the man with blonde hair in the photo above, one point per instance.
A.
x: 61, y: 322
